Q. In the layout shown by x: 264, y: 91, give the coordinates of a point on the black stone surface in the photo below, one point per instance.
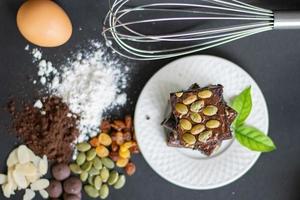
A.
x: 272, y: 58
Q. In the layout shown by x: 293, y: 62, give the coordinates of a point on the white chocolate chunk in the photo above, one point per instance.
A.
x: 12, y: 158
x: 27, y: 169
x: 29, y: 194
x: 10, y: 178
x: 39, y: 184
x: 44, y: 194
x: 20, y: 180
x: 3, y: 179
x: 43, y: 165
x: 32, y: 179
x: 23, y: 154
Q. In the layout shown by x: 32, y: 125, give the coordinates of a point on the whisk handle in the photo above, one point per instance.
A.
x: 286, y: 19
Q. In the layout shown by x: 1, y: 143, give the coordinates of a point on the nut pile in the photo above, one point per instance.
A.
x: 63, y: 185
x: 25, y: 169
x: 97, y: 159
x: 200, y: 118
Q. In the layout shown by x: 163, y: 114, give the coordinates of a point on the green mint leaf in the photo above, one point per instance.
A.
x: 243, y: 105
x: 254, y: 139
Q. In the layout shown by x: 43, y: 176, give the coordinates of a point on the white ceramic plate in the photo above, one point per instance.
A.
x: 185, y: 167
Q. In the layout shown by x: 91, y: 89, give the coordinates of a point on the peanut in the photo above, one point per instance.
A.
x: 102, y: 151
x: 119, y: 138
x: 130, y: 169
x: 122, y: 162
x: 114, y: 156
x: 105, y: 126
x: 114, y: 146
x: 104, y: 139
x: 128, y: 122
x: 118, y: 125
x: 94, y: 142
x: 124, y: 153
x: 127, y: 145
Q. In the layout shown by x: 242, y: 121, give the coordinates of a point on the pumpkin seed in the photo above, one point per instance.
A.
x: 181, y: 108
x: 189, y: 138
x: 210, y: 110
x: 108, y: 163
x: 205, y: 94
x: 113, y: 177
x: 97, y: 182
x: 185, y: 124
x: 75, y: 168
x: 179, y: 94
x: 190, y: 99
x: 87, y: 166
x: 120, y: 182
x: 93, y: 171
x: 104, y: 174
x: 83, y: 146
x: 97, y: 163
x: 84, y: 176
x: 104, y: 191
x: 91, y: 154
x: 195, y: 117
x: 196, y: 106
x: 197, y: 129
x: 91, y: 180
x: 80, y: 158
x: 213, y: 123
x: 91, y: 191
x: 204, y: 136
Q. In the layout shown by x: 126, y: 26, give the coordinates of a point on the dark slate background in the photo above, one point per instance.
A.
x: 272, y: 58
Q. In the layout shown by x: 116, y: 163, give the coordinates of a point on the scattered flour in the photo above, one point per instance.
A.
x: 90, y: 84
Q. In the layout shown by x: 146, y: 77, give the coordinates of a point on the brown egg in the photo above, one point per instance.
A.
x: 44, y: 23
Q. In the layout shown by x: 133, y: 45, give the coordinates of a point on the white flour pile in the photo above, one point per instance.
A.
x: 88, y: 84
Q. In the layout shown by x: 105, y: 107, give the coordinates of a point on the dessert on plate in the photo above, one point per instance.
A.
x: 200, y: 119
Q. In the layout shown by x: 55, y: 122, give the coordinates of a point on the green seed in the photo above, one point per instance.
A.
x: 91, y: 180
x: 195, y: 117
x: 83, y: 147
x: 80, y: 158
x: 190, y: 99
x: 91, y: 191
x: 205, y: 94
x: 91, y: 154
x: 97, y: 163
x: 113, y: 177
x: 84, y: 176
x: 104, y: 191
x: 86, y: 166
x: 104, y: 174
x: 120, y: 182
x: 210, y: 110
x: 93, y: 171
x: 204, y: 136
x: 108, y: 163
x: 196, y: 106
x: 188, y: 138
x: 213, y: 123
x: 97, y: 182
x: 185, y: 124
x: 181, y: 108
x: 197, y: 129
x: 75, y: 168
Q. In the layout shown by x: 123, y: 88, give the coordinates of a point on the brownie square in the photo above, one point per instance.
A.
x: 200, y: 118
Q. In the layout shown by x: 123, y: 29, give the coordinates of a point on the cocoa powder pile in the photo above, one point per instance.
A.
x: 49, y: 129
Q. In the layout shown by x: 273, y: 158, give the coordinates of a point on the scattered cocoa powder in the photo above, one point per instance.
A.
x: 49, y: 130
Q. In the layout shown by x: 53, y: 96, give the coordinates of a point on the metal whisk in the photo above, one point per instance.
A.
x: 162, y: 30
